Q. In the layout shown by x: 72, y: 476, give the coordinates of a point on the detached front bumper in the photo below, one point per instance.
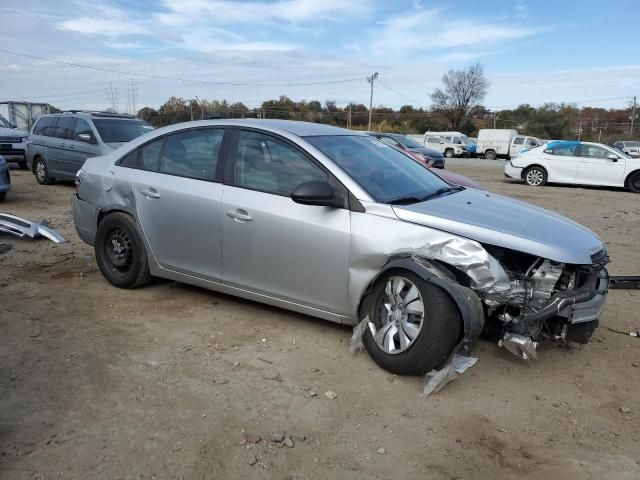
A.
x: 85, y: 219
x: 512, y: 172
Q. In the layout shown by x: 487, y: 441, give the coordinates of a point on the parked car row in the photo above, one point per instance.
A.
x: 13, y: 142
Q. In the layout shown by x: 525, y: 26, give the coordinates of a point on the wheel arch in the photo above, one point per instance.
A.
x: 629, y: 175
x: 528, y: 167
x: 108, y: 210
x: 466, y: 300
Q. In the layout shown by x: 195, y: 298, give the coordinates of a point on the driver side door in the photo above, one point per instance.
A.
x: 272, y: 246
x: 596, y: 168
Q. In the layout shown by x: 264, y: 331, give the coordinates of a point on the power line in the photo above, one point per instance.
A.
x: 398, y: 93
x: 177, y: 79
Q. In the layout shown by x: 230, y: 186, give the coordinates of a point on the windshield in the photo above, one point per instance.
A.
x: 120, y: 130
x: 383, y: 172
x: 407, y: 142
x: 4, y: 122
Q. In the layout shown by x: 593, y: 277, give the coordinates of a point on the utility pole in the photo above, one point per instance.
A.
x: 579, y: 130
x: 371, y: 79
x: 633, y: 116
x: 349, y: 117
x: 191, y: 109
x: 134, y: 94
x: 495, y: 117
x: 201, y: 108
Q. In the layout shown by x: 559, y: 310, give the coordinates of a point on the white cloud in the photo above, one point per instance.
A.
x: 424, y: 30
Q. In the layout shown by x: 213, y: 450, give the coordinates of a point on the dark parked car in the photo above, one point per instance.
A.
x: 434, y: 157
x: 5, y: 178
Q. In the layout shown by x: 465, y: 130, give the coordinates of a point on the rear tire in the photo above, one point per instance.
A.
x: 490, y: 155
x: 439, y: 332
x: 633, y: 182
x: 448, y: 153
x: 535, y: 176
x: 41, y: 172
x: 120, y: 252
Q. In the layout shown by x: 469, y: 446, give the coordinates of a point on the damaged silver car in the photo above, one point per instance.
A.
x: 338, y: 225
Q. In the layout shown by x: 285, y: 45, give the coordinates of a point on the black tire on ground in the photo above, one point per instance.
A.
x: 633, y: 182
x: 120, y: 252
x: 535, y: 176
x: 3, y: 195
x: 440, y: 333
x: 41, y: 171
x: 448, y: 153
x: 490, y: 155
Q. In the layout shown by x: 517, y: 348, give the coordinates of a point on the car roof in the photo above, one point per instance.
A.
x: 91, y: 114
x: 296, y: 127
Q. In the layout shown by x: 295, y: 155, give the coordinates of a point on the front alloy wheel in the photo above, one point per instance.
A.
x: 401, y: 313
x: 535, y: 177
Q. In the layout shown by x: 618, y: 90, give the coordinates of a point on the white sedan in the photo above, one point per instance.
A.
x: 580, y: 163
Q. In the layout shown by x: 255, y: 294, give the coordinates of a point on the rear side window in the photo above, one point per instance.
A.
x: 389, y: 141
x: 64, y: 127
x: 562, y: 150
x: 45, y: 126
x: 150, y: 155
x: 192, y: 154
x: 433, y: 140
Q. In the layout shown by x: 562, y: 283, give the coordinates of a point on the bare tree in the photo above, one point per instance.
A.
x: 462, y: 91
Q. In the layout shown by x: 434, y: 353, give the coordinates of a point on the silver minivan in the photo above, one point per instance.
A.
x: 59, y: 144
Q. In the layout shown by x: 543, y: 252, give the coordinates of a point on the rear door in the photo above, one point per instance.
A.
x: 596, y: 168
x: 178, y: 189
x: 60, y: 161
x: 561, y: 162
x: 272, y: 245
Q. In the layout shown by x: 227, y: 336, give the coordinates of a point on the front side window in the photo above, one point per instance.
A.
x: 532, y: 142
x: 119, y: 130
x: 270, y: 165
x: 383, y: 172
x: 518, y: 141
x: 457, y: 141
x: 192, y: 154
x: 82, y: 128
x: 593, y: 151
x: 64, y: 127
x: 45, y: 126
x: 149, y: 156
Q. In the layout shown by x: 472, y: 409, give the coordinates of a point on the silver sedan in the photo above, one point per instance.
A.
x: 336, y: 224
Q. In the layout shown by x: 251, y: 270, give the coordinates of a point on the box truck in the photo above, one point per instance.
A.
x: 503, y: 143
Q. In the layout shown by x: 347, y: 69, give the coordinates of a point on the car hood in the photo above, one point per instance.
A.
x: 429, y: 152
x: 501, y: 221
x: 12, y: 132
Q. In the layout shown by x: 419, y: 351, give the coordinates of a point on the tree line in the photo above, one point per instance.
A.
x: 456, y: 106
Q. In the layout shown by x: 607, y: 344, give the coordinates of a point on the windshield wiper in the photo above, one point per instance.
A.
x: 405, y: 200
x: 440, y: 191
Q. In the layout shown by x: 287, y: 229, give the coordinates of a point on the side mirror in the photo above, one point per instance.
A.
x: 441, y: 141
x: 85, y: 137
x: 315, y: 193
x: 612, y: 156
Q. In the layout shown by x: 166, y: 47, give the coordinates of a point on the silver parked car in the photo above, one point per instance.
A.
x: 338, y: 225
x: 59, y: 144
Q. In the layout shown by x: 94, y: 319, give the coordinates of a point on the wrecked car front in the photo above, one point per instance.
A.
x: 538, y: 274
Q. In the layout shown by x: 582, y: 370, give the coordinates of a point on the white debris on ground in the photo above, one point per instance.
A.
x: 435, y: 380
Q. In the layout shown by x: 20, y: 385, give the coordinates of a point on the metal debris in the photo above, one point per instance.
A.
x: 435, y: 380
x: 520, y: 345
x: 21, y: 228
x: 355, y: 344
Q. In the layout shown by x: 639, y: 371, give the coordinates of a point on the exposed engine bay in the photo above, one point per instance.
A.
x: 545, y: 300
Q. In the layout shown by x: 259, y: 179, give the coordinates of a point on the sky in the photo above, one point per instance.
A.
x: 582, y: 52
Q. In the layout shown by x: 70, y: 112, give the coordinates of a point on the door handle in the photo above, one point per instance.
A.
x: 239, y: 215
x: 63, y: 145
x: 151, y: 193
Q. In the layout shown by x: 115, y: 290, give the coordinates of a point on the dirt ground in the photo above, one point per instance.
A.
x: 166, y: 381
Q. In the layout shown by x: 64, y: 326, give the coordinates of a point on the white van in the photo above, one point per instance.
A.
x: 450, y: 144
x: 503, y: 143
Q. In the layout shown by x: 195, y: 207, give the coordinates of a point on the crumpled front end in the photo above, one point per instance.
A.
x: 545, y: 300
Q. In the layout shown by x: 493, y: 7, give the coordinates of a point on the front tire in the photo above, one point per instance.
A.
x: 633, y: 183
x: 535, y: 176
x: 414, y: 324
x: 42, y: 172
x: 120, y: 252
x: 448, y: 153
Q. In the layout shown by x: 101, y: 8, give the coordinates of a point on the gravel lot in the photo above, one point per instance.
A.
x: 169, y: 381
